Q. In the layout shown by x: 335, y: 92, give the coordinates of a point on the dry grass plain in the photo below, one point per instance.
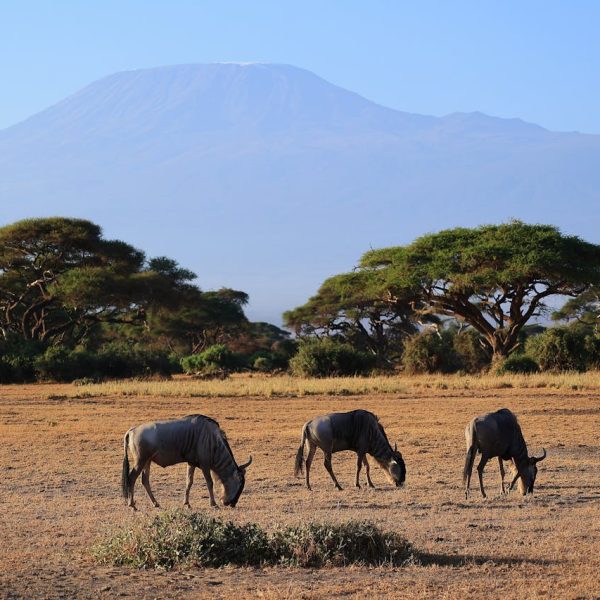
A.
x: 61, y: 453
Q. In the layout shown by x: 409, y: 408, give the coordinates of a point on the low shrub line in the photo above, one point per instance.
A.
x: 175, y: 538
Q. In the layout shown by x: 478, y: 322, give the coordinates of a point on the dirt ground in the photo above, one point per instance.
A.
x: 60, y: 461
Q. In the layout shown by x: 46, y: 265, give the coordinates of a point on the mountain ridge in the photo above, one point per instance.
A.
x: 259, y: 174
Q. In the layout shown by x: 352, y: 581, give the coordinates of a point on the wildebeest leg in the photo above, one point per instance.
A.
x: 146, y: 484
x: 188, y: 484
x: 359, y: 462
x: 330, y: 470
x: 209, y: 485
x: 512, y: 483
x: 368, y: 469
x: 133, y: 475
x: 309, y: 459
x: 501, y: 465
x: 480, y: 467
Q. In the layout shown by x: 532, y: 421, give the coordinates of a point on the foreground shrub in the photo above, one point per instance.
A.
x: 177, y: 538
x: 518, y: 363
x: 329, y: 358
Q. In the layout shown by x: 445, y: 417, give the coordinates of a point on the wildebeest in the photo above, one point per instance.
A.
x: 499, y: 434
x: 359, y: 431
x: 196, y: 440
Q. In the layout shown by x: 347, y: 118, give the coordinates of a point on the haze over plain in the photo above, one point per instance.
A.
x: 267, y: 178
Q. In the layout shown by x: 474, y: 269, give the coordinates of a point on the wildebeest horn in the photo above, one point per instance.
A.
x: 246, y: 465
x: 396, y: 447
x: 535, y: 459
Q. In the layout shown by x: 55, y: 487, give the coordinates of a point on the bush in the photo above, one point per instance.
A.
x: 431, y: 352
x: 329, y: 358
x: 263, y: 363
x: 111, y: 362
x: 17, y: 357
x: 468, y: 345
x: 518, y: 363
x: 558, y: 349
x: 174, y: 538
x: 214, y: 357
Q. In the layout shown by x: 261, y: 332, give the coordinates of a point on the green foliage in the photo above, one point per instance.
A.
x: 329, y: 358
x: 359, y: 308
x: 111, y: 362
x: 494, y: 277
x: 518, y: 363
x: 559, y: 349
x: 263, y: 363
x: 17, y: 358
x: 196, y: 539
x: 471, y: 350
x: 218, y: 356
x: 431, y: 352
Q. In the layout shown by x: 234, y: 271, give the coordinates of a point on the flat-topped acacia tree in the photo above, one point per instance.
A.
x: 362, y: 309
x: 494, y: 277
x: 60, y: 277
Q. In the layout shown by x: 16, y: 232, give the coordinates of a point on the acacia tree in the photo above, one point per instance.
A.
x: 59, y: 278
x: 495, y: 277
x: 361, y: 308
x: 201, y: 319
x: 584, y: 310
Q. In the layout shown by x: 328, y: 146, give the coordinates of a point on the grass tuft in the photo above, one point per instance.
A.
x: 196, y: 539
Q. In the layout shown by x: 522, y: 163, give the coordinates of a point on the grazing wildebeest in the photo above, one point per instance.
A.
x: 359, y: 431
x: 196, y: 440
x: 499, y: 434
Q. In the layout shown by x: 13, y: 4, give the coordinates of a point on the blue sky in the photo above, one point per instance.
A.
x: 538, y: 60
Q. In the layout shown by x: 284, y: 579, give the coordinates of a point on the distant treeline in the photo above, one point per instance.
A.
x: 74, y: 305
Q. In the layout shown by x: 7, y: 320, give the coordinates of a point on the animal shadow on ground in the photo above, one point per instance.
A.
x: 460, y: 560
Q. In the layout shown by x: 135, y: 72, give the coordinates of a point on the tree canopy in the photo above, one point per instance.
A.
x: 60, y: 279
x: 494, y: 277
x: 362, y: 309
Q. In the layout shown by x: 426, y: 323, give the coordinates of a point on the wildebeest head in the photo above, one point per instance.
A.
x: 527, y: 477
x: 235, y: 487
x: 397, y: 468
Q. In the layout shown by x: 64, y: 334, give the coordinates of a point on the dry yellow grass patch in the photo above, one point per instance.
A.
x: 282, y: 385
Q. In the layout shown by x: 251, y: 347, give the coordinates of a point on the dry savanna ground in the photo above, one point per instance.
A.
x: 61, y: 453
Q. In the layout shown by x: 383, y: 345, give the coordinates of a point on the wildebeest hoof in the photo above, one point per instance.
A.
x: 187, y: 505
x: 339, y: 487
x: 358, y: 485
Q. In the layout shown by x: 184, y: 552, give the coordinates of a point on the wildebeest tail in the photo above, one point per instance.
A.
x: 300, y: 454
x: 471, y: 451
x: 125, y: 474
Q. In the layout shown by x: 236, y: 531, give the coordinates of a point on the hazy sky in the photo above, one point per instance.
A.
x: 534, y: 59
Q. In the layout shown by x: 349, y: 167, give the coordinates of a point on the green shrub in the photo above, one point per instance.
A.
x: 173, y: 538
x: 518, y: 363
x: 17, y: 358
x: 263, y: 363
x: 110, y: 362
x: 558, y: 349
x: 329, y: 358
x: 431, y: 352
x: 470, y: 348
x: 214, y: 357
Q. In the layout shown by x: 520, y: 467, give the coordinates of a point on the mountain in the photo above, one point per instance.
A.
x: 267, y: 178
